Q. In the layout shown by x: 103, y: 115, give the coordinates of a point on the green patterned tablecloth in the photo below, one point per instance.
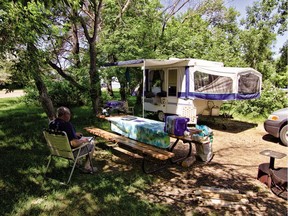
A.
x: 143, y: 130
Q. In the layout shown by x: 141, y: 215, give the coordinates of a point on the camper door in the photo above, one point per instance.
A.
x: 171, y: 77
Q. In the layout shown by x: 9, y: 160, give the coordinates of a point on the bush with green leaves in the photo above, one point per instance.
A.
x: 61, y: 93
x: 272, y: 98
x: 106, y: 97
x: 64, y: 94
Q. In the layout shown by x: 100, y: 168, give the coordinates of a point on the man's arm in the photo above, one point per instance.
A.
x: 79, y: 135
x: 78, y: 142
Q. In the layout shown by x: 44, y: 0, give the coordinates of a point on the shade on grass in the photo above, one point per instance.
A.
x: 25, y: 191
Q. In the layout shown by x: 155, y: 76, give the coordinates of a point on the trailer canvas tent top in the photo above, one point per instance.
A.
x: 186, y: 86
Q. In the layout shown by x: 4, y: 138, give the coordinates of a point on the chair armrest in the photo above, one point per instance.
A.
x: 81, y: 146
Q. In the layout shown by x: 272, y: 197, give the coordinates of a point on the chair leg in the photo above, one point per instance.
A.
x: 91, y: 164
x: 75, y: 162
x: 71, y: 173
x: 74, y: 165
x: 89, y: 158
x: 48, y: 164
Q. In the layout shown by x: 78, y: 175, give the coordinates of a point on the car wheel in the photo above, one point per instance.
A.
x: 161, y: 116
x: 284, y: 135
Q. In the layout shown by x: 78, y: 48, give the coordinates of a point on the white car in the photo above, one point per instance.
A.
x: 277, y: 125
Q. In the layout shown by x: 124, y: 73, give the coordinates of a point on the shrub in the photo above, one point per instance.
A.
x: 60, y: 92
x: 272, y: 98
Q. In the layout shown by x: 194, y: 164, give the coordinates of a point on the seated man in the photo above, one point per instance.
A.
x: 62, y: 123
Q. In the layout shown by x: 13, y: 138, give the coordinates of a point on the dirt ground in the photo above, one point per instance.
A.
x: 234, y: 166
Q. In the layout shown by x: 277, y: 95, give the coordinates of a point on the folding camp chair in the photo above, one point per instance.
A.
x: 59, y: 146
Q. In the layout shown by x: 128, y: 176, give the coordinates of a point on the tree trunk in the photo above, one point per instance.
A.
x: 44, y: 99
x: 95, y: 86
x: 109, y: 88
x: 123, y: 92
x: 139, y: 95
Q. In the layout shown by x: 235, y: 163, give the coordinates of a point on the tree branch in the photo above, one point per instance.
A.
x: 124, y: 8
x: 97, y: 19
x: 172, y: 12
x: 65, y: 76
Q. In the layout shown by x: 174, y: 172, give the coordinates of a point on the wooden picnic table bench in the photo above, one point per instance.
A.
x: 145, y: 150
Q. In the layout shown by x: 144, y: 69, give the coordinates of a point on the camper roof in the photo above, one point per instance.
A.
x: 227, y: 71
x: 154, y: 63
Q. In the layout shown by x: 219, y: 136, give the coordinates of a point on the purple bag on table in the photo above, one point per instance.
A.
x: 176, y: 125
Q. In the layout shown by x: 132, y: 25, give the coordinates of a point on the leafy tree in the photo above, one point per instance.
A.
x: 280, y: 77
x: 59, y: 39
x: 76, y: 25
x: 261, y: 26
x: 207, y: 30
x: 22, y: 26
x: 5, y: 67
x: 129, y: 35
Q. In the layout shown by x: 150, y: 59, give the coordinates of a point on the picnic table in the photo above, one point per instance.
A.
x: 146, y: 136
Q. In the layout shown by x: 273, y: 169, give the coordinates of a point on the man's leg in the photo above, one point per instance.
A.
x: 87, y: 164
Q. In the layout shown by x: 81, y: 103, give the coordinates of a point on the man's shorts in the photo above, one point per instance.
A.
x: 88, y: 148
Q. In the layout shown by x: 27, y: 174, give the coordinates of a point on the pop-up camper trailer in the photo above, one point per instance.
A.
x: 191, y: 87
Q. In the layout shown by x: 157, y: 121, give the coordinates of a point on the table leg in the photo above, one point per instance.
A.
x: 174, y: 144
x: 153, y: 167
x: 271, y: 163
x: 190, y: 149
x: 182, y: 158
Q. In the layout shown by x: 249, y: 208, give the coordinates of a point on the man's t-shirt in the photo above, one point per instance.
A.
x: 61, y: 125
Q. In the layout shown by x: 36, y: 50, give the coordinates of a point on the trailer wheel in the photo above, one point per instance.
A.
x: 161, y: 116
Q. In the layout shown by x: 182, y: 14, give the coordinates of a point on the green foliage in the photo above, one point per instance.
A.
x: 61, y: 93
x: 23, y: 23
x: 280, y: 77
x: 5, y: 74
x: 131, y: 36
x: 267, y: 69
x: 106, y: 97
x: 260, y: 34
x: 272, y: 98
x: 208, y: 32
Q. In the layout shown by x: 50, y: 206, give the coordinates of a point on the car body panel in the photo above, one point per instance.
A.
x: 273, y: 126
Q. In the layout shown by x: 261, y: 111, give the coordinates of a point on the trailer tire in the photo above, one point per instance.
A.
x: 161, y: 116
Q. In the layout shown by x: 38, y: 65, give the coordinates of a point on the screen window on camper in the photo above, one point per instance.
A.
x: 212, y: 84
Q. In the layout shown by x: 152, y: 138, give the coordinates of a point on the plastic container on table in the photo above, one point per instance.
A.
x: 176, y: 125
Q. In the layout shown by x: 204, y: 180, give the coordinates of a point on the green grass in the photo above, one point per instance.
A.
x: 25, y: 191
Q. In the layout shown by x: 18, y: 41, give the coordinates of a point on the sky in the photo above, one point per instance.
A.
x: 240, y: 5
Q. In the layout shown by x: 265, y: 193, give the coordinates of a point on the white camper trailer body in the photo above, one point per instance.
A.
x: 191, y: 87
